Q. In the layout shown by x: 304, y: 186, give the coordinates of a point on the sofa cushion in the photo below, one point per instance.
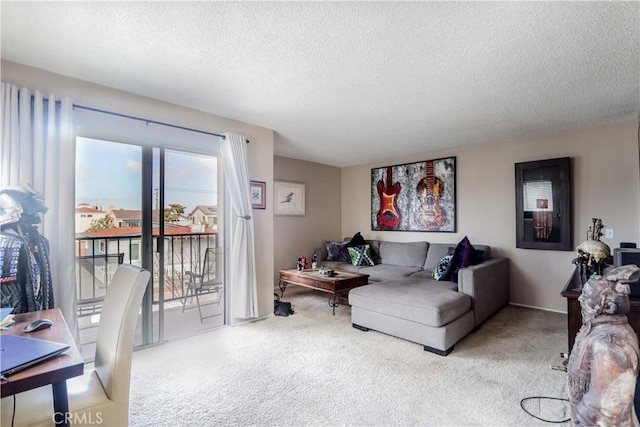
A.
x: 436, y: 252
x: 360, y: 255
x: 340, y: 265
x: 412, y: 298
x: 427, y: 276
x: 405, y: 254
x: 380, y: 272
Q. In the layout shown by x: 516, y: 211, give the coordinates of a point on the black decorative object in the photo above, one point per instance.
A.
x: 543, y: 204
x: 25, y: 272
x: 592, y: 253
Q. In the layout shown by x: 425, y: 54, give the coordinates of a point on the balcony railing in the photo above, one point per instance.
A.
x: 98, y: 258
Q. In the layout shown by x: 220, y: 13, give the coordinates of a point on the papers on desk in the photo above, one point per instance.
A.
x: 6, y: 316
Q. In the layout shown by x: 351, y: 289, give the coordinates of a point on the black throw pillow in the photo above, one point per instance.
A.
x: 356, y: 240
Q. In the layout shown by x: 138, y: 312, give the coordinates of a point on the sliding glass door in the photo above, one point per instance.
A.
x: 156, y: 208
x: 187, y: 187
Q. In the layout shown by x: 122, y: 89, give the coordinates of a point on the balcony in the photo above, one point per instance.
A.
x: 97, y: 260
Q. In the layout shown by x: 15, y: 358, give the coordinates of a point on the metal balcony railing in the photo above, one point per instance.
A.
x: 98, y: 258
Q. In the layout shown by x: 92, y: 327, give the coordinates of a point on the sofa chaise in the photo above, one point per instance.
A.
x: 404, y: 299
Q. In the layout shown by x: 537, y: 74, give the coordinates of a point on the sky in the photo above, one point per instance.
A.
x: 109, y: 173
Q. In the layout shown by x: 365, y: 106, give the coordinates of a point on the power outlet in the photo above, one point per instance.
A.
x: 608, y: 233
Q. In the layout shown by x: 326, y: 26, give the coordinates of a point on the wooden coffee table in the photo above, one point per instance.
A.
x: 336, y: 286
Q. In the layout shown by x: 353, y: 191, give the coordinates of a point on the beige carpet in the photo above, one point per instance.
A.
x: 315, y: 369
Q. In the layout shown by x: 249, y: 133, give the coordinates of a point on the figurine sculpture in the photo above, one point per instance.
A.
x: 603, y: 365
x: 592, y: 253
x: 25, y: 273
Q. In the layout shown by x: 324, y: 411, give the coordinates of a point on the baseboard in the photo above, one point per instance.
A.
x: 538, y: 308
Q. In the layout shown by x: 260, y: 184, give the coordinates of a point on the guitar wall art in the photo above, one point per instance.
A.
x: 418, y: 196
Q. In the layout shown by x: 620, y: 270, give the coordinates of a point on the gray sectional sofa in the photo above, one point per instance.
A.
x: 404, y: 300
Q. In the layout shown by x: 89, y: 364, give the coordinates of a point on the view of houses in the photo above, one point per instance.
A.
x: 106, y: 238
x: 201, y: 218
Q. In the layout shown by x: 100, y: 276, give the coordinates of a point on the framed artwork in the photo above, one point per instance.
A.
x: 258, y: 194
x: 418, y: 196
x: 288, y: 198
x: 543, y: 204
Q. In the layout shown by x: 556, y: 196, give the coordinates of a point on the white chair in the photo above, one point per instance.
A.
x: 103, y: 393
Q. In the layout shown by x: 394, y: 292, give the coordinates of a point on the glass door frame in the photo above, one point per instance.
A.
x: 147, y: 245
x: 152, y: 184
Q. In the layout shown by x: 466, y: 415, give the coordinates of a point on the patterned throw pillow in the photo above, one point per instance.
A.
x: 360, y: 255
x: 333, y: 250
x: 442, y: 269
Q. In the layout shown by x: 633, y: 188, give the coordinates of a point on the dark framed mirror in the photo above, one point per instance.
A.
x: 543, y: 204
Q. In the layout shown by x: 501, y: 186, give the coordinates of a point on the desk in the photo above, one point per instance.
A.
x: 54, y: 371
x: 572, y: 291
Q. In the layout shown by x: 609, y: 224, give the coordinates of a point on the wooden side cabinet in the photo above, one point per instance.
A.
x: 572, y: 291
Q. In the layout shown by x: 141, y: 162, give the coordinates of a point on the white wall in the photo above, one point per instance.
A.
x: 260, y: 149
x: 300, y: 235
x: 605, y: 184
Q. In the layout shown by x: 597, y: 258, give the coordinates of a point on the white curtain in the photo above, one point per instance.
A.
x: 242, y: 265
x: 38, y: 151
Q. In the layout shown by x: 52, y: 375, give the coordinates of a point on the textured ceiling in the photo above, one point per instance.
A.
x: 352, y: 83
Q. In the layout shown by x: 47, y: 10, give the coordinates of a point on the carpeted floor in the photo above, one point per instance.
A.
x: 315, y: 369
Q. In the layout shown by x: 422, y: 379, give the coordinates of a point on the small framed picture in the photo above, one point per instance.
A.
x: 288, y: 198
x: 258, y: 194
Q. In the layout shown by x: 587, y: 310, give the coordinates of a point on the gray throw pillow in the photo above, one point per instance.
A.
x: 333, y: 250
